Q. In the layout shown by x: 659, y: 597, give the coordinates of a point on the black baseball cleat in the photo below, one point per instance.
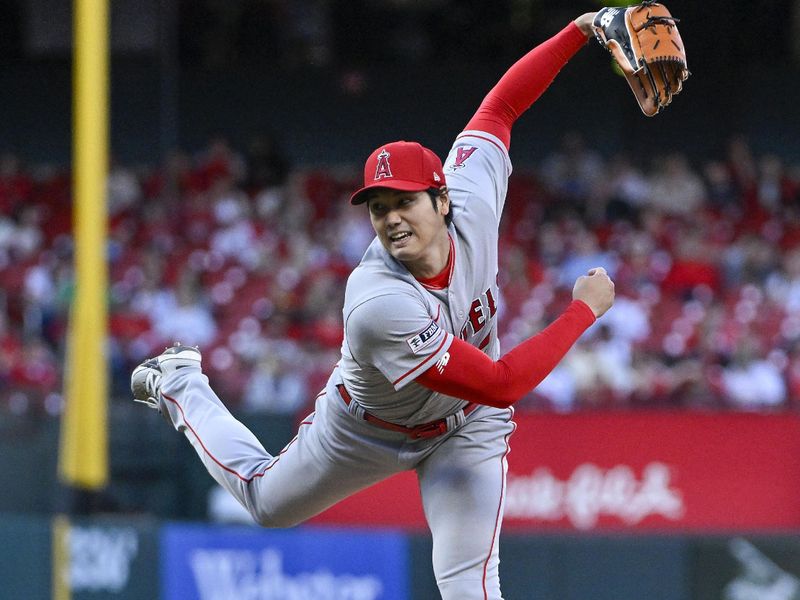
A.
x: 146, y: 378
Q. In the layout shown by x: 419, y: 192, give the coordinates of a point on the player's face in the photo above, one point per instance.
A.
x: 411, y: 229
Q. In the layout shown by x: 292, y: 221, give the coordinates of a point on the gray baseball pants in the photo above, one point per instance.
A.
x: 461, y: 473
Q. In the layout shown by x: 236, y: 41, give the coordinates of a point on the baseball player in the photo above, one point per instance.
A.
x: 421, y: 383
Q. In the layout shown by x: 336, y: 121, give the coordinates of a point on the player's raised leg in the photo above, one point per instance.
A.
x: 462, y: 486
x: 278, y: 491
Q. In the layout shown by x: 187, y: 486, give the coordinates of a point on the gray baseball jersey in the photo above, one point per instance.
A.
x: 395, y: 329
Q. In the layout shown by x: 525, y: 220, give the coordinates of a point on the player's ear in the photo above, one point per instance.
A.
x: 444, y: 201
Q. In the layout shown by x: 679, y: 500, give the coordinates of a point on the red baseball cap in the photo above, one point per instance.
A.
x: 404, y: 166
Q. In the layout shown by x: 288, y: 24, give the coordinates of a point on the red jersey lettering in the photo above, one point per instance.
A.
x: 476, y: 316
x: 490, y: 302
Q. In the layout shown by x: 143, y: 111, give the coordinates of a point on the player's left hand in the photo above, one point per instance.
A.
x: 645, y: 42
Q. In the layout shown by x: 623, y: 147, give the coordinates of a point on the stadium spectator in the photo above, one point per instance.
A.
x: 275, y: 387
x: 573, y: 171
x: 752, y: 381
x: 674, y: 188
x: 185, y: 315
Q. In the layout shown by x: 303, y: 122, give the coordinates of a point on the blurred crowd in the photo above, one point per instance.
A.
x: 245, y: 255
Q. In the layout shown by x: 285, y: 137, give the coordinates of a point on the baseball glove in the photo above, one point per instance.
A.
x: 645, y: 42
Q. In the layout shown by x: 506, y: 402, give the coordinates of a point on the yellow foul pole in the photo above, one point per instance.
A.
x: 83, y: 459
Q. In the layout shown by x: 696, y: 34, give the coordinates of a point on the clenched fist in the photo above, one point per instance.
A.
x: 595, y: 289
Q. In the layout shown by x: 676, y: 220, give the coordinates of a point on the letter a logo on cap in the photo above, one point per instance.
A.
x: 383, y: 169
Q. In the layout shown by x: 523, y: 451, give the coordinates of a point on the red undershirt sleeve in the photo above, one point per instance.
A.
x: 471, y: 375
x: 524, y: 82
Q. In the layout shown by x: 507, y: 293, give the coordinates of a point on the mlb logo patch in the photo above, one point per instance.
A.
x: 423, y: 339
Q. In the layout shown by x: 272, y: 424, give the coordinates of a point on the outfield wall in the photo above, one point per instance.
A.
x: 630, y: 472
x: 672, y: 506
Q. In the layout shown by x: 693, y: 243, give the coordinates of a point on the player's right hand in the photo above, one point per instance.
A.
x: 595, y: 289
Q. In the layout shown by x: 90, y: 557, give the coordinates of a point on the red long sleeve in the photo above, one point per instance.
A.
x: 524, y: 82
x: 473, y: 376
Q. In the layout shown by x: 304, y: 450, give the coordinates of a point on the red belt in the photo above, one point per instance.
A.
x: 424, y: 431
